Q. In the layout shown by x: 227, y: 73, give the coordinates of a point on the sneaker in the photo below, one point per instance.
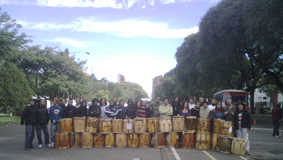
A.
x: 52, y: 144
x: 49, y: 145
x: 279, y: 135
x: 27, y: 149
x: 248, y: 153
x: 276, y: 136
x: 40, y: 146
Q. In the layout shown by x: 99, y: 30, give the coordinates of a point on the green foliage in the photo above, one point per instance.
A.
x: 102, y: 94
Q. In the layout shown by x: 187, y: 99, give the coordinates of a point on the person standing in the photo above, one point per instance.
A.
x: 63, y: 104
x: 243, y: 124
x: 148, y: 110
x: 205, y: 112
x: 276, y: 117
x: 121, y: 110
x: 155, y: 106
x: 213, y: 104
x: 165, y: 109
x: 55, y: 113
x: 82, y: 110
x: 141, y: 110
x: 115, y: 99
x: 103, y: 104
x: 184, y: 111
x: 176, y: 106
x: 191, y: 103
x: 94, y: 110
x: 229, y: 113
x: 29, y: 119
x: 111, y: 111
x: 42, y: 119
x: 131, y: 110
x: 78, y: 102
x: 70, y: 111
x: 201, y: 100
x: 195, y: 110
x: 218, y: 111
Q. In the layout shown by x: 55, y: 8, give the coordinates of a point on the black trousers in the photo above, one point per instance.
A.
x: 276, y: 125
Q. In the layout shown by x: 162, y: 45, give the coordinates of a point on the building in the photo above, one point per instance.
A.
x: 155, y: 82
x: 121, y: 78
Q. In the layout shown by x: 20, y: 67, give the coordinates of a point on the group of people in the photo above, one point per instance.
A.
x: 38, y: 117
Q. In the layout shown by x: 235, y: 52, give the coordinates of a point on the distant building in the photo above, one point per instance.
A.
x: 121, y: 78
x: 155, y: 82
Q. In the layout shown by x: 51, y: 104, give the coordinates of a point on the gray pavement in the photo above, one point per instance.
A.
x: 263, y: 146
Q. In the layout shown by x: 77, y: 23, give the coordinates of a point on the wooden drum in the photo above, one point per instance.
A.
x: 239, y: 146
x: 225, y: 142
x: 105, y: 126
x: 203, y: 141
x: 226, y: 128
x: 152, y: 125
x: 92, y: 124
x: 203, y: 125
x: 217, y: 126
x: 117, y: 126
x: 145, y: 140
x: 62, y: 141
x: 165, y: 124
x: 188, y: 139
x: 98, y: 140
x: 133, y: 140
x: 121, y: 140
x: 66, y: 125
x: 76, y: 140
x: 191, y: 123
x: 178, y: 123
x: 109, y: 140
x: 159, y: 140
x: 87, y: 140
x: 140, y: 125
x: 79, y: 124
x: 214, y: 143
x: 128, y: 126
x: 173, y: 139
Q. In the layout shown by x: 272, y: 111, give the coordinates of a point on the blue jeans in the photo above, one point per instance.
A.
x: 30, y: 133
x: 44, y: 128
x: 55, y: 127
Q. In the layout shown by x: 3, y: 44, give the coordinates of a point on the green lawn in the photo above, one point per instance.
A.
x: 260, y: 115
x: 14, y: 119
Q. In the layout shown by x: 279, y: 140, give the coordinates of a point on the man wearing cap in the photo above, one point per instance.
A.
x: 29, y: 119
x: 55, y: 113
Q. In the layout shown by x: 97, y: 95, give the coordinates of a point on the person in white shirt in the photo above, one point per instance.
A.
x: 213, y: 104
x: 191, y: 104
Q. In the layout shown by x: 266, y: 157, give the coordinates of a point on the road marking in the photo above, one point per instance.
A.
x: 175, y: 153
x: 243, y: 158
x: 210, y: 156
x: 264, y: 129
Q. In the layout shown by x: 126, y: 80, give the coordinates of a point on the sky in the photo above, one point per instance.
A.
x: 135, y: 38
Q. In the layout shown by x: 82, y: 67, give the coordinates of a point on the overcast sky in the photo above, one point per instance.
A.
x: 136, y: 38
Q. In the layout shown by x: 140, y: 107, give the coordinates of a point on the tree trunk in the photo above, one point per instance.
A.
x: 252, y: 95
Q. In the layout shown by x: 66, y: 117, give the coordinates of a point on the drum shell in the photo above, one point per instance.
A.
x: 159, y: 140
x: 217, y: 126
x: 127, y: 129
x: 105, y: 126
x: 239, y: 146
x: 87, y: 140
x: 92, y: 124
x: 152, y: 125
x: 165, y: 124
x: 133, y: 140
x: 178, y: 123
x: 188, y: 139
x: 203, y: 141
x: 225, y: 127
x: 79, y: 124
x: 173, y: 139
x: 66, y: 125
x: 145, y: 140
x: 203, y: 125
x: 117, y: 126
x: 140, y: 125
x: 98, y: 140
x: 121, y: 140
x: 214, y: 143
x: 76, y: 140
x: 62, y: 140
x: 225, y: 142
x: 109, y: 140
x: 191, y: 123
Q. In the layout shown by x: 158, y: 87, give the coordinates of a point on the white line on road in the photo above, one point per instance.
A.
x: 175, y: 153
x: 264, y: 129
x: 243, y: 158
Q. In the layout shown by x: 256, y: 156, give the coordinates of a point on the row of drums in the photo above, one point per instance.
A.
x: 190, y: 139
x: 145, y: 125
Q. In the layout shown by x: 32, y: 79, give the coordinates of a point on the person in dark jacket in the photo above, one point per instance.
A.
x: 42, y: 118
x: 176, y: 106
x: 82, y: 110
x: 29, y: 119
x: 131, y: 110
x: 184, y: 110
x: 70, y: 111
x: 63, y: 103
x: 195, y: 110
x: 111, y: 111
x: 55, y: 114
x: 121, y: 110
x: 148, y: 110
x: 243, y: 124
x: 229, y: 113
x: 276, y: 117
x: 94, y: 110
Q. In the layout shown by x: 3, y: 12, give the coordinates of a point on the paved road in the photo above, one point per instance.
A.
x: 263, y: 146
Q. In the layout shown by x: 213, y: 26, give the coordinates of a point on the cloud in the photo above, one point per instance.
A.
x: 68, y: 42
x: 125, y: 28
x: 121, y: 4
